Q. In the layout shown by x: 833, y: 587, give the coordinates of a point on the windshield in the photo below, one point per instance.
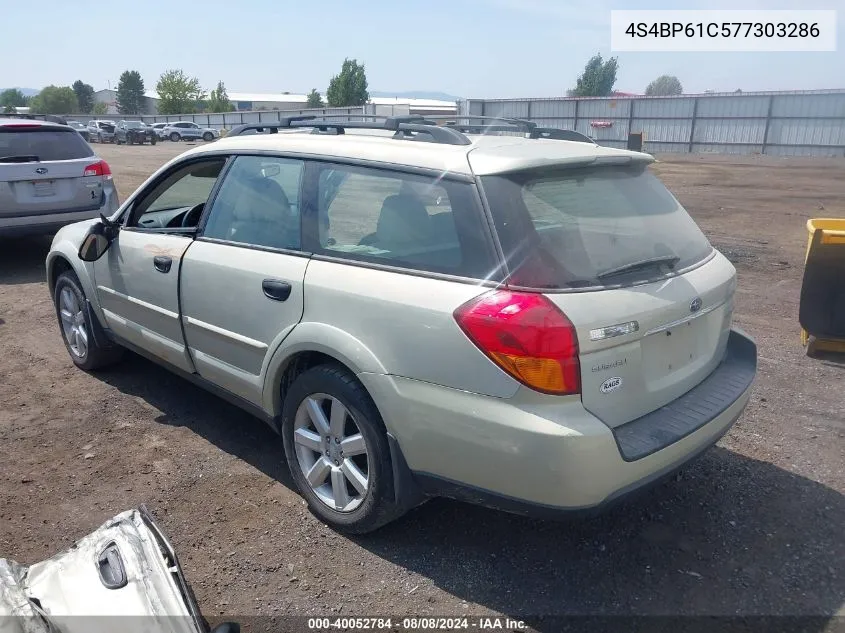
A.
x: 41, y: 144
x: 591, y: 227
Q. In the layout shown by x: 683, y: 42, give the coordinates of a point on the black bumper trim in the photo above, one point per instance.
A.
x: 696, y: 408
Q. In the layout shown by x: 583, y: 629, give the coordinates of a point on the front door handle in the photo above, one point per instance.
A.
x: 276, y: 289
x: 162, y: 263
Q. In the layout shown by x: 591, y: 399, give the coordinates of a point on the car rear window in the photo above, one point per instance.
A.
x: 594, y: 226
x: 45, y: 143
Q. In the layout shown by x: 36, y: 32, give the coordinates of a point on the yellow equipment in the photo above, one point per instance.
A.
x: 822, y: 307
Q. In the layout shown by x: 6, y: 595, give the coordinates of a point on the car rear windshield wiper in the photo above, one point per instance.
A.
x: 666, y: 260
x: 20, y: 158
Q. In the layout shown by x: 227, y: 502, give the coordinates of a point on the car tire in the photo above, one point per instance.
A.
x: 326, y: 386
x: 84, y: 339
x: 207, y: 137
x: 99, y: 138
x: 153, y: 139
x: 174, y: 136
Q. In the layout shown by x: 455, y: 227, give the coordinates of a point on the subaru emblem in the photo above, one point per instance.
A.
x: 41, y: 170
x: 695, y: 305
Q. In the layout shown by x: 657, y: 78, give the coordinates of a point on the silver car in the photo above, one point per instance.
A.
x: 124, y: 575
x: 101, y: 131
x: 49, y: 177
x: 529, y: 323
x: 188, y: 130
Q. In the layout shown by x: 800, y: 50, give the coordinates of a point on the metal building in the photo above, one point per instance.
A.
x: 806, y: 123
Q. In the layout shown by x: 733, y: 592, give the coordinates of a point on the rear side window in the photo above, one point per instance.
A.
x: 591, y: 227
x: 401, y: 219
x: 44, y: 143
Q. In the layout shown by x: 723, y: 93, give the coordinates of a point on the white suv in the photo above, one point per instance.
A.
x: 188, y: 130
x: 521, y: 321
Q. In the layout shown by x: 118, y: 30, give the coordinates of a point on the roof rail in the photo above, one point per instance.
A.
x: 560, y: 135
x: 51, y: 118
x: 414, y: 127
x: 406, y: 127
x: 271, y: 127
x: 498, y: 124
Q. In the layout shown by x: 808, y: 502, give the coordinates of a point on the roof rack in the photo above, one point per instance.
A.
x: 503, y: 124
x: 52, y: 118
x: 413, y: 127
x: 498, y: 124
x: 408, y: 127
x: 558, y: 134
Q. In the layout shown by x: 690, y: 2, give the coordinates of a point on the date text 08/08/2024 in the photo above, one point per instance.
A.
x: 416, y: 624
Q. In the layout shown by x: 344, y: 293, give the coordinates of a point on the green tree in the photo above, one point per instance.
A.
x: 12, y: 98
x: 663, y: 86
x: 349, y: 88
x: 218, y: 100
x: 55, y: 100
x: 130, y: 93
x: 597, y: 79
x: 84, y: 95
x: 99, y: 108
x: 178, y: 93
x: 314, y: 100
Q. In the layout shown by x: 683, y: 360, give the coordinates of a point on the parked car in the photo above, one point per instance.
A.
x: 131, y: 132
x: 81, y: 128
x: 187, y: 130
x: 49, y: 177
x: 101, y: 131
x: 532, y: 324
x: 159, y: 130
x: 126, y: 569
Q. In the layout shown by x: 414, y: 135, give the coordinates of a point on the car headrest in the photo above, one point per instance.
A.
x: 261, y: 199
x: 403, y: 219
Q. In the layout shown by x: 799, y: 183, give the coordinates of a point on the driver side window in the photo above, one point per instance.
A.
x: 178, y: 199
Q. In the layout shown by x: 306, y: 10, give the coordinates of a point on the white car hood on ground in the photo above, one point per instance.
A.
x: 70, y: 592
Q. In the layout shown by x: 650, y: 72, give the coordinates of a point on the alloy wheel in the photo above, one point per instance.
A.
x: 73, y: 323
x: 332, y: 452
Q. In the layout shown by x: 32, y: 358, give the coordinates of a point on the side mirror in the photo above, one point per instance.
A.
x: 97, y: 240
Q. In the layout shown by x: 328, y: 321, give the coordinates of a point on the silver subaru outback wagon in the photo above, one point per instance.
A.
x: 518, y: 320
x: 49, y: 177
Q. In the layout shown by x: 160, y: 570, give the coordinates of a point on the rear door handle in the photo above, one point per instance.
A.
x: 162, y: 263
x: 276, y: 289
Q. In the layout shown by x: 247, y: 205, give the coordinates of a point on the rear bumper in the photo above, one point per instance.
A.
x: 535, y: 455
x: 696, y: 408
x: 44, y: 223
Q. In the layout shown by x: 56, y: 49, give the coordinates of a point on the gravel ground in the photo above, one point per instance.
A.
x: 755, y: 527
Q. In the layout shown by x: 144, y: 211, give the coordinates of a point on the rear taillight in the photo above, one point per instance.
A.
x: 100, y: 168
x: 526, y: 335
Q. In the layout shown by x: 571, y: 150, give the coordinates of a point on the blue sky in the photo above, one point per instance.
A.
x: 470, y: 48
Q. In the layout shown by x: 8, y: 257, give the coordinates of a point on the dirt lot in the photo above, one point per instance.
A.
x: 754, y: 527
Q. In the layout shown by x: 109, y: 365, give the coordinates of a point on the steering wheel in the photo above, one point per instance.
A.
x: 192, y: 216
